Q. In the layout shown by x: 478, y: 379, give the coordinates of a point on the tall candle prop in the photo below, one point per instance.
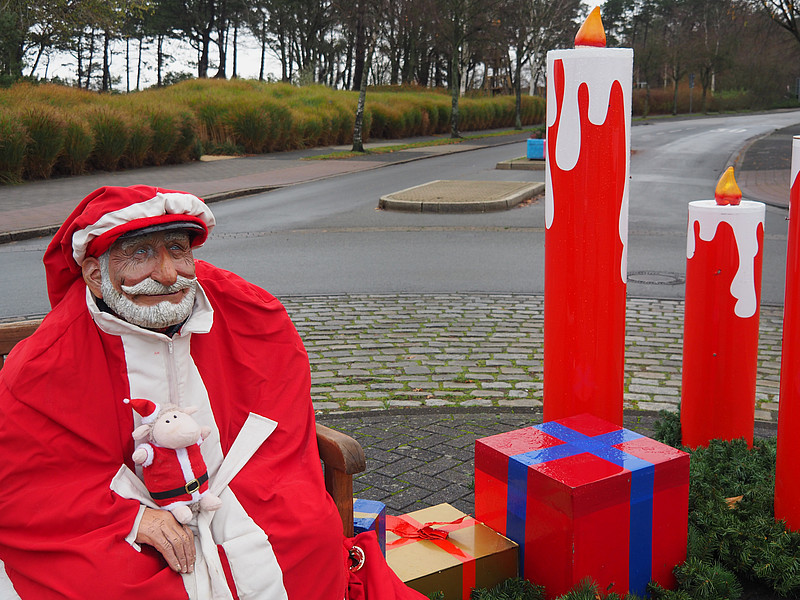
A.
x: 787, y: 467
x: 586, y: 216
x: 720, y: 338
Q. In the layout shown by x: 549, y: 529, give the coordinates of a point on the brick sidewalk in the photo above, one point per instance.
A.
x: 485, y: 350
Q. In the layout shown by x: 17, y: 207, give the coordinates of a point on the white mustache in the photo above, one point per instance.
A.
x: 151, y: 287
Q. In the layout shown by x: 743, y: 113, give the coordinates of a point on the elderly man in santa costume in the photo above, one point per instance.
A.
x: 135, y: 316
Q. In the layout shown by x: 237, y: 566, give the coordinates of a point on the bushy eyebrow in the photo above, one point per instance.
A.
x: 170, y: 236
x: 173, y: 236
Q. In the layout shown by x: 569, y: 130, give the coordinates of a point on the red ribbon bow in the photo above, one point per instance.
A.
x: 404, y: 529
x: 410, y: 530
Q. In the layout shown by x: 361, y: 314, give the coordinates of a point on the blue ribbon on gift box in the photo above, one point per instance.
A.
x: 641, y: 495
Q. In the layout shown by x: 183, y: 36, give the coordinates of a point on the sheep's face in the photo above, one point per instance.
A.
x: 175, y: 429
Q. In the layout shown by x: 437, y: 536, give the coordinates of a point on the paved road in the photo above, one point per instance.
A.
x: 326, y: 236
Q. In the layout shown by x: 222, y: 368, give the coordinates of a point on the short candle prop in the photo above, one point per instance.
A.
x: 720, y: 339
x: 787, y: 467
x: 586, y: 216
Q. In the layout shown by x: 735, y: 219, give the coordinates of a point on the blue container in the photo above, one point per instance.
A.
x: 535, y: 149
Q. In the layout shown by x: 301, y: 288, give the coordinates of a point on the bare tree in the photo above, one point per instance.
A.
x: 532, y: 27
x: 460, y: 23
x: 719, y: 25
x: 785, y: 13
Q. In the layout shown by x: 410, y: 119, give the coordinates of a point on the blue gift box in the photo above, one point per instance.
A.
x: 370, y: 515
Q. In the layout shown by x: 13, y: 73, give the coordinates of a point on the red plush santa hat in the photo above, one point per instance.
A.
x: 110, y: 212
x: 147, y: 408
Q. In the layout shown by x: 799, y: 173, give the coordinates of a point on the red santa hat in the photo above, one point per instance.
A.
x: 111, y: 212
x: 147, y: 408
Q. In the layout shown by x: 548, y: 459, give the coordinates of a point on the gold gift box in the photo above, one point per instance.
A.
x: 472, y: 555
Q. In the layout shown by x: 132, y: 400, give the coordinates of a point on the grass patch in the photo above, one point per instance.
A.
x: 410, y: 146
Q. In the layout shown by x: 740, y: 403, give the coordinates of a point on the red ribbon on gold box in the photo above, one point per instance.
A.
x: 442, y: 549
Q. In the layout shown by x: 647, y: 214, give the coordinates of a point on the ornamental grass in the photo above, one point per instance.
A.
x: 70, y: 131
x: 140, y: 141
x: 13, y: 144
x: 46, y: 128
x: 111, y: 129
x: 165, y: 125
x: 250, y: 125
x: 188, y: 145
x: 78, y: 145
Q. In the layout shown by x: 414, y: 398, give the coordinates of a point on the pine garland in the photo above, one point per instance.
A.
x: 734, y: 539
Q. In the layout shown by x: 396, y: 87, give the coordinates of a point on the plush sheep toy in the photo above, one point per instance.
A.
x: 174, y: 470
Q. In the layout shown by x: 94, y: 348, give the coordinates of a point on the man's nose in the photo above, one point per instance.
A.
x: 164, y: 272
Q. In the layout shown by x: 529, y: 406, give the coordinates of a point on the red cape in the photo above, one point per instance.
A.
x: 65, y: 432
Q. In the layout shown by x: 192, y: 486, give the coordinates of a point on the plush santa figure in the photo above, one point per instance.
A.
x: 174, y: 470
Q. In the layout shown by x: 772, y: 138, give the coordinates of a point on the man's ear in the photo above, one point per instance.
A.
x: 92, y: 275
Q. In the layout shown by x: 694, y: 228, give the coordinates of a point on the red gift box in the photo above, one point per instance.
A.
x: 586, y: 498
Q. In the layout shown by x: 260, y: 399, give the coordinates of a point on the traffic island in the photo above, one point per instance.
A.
x: 446, y: 196
x: 521, y: 164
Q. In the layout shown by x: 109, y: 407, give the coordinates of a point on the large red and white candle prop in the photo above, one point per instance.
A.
x: 720, y: 337
x: 586, y: 215
x: 787, y: 467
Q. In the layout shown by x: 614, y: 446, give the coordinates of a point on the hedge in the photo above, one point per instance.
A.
x: 50, y: 129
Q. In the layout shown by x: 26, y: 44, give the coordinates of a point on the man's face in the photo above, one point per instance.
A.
x: 146, y: 280
x: 161, y: 257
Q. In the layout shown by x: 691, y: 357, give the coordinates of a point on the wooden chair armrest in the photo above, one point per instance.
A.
x: 343, y: 457
x: 13, y: 332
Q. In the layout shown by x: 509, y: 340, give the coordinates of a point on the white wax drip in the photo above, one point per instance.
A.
x: 598, y: 68
x: 744, y: 220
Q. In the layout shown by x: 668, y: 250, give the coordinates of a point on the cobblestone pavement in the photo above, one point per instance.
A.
x: 419, y: 457
x: 485, y: 350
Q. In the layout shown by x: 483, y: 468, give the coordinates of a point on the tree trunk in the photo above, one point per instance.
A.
x: 106, y: 65
x: 349, y: 68
x: 159, y: 58
x: 361, y: 47
x: 518, y: 94
x: 263, y: 46
x: 455, y: 86
x: 202, y: 63
x: 222, y: 45
x: 91, y: 59
x: 675, y: 98
x: 235, y: 46
x: 80, y: 59
x: 127, y: 64
x: 139, y: 63
x: 36, y: 62
x: 358, y: 138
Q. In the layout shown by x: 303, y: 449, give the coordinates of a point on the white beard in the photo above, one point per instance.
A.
x: 161, y: 315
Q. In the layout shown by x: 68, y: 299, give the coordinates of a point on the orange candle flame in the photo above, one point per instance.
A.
x: 592, y: 32
x: 727, y: 191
